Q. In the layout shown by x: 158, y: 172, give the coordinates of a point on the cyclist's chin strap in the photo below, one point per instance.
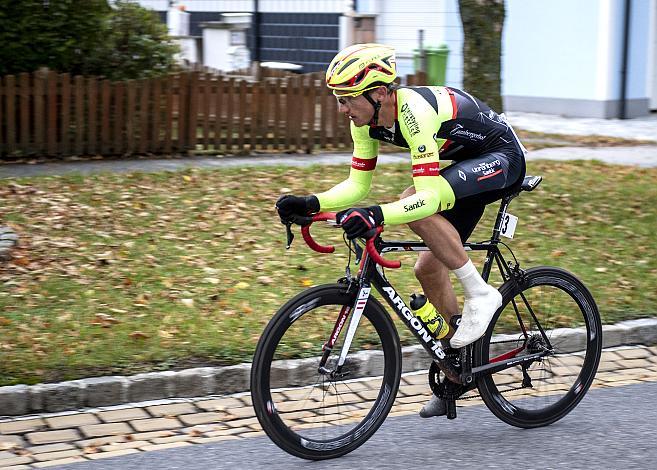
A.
x: 377, y: 107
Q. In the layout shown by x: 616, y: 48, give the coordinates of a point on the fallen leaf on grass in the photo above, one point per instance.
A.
x: 600, y: 270
x: 138, y: 335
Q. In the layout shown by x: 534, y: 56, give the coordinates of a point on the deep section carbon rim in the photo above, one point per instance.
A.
x: 550, y: 311
x: 319, y: 415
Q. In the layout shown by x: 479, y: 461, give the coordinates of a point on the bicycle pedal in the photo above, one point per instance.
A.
x: 451, y: 409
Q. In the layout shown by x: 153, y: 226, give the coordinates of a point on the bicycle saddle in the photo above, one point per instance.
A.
x: 530, y: 183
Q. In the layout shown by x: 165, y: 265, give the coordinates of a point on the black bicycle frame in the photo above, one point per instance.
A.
x: 372, y: 274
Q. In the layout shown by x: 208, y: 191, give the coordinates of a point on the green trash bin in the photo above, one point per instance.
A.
x: 436, y: 63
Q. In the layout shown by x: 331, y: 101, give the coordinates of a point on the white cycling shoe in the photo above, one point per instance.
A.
x: 477, y: 313
x: 435, y: 407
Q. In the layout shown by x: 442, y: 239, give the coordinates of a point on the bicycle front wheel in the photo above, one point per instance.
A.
x: 321, y: 415
x: 550, y: 310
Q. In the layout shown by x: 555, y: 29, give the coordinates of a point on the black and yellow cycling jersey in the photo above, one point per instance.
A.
x: 434, y: 123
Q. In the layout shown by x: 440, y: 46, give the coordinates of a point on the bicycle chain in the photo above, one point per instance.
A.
x: 455, y: 357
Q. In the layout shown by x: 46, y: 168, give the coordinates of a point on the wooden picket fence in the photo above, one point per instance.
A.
x: 51, y: 114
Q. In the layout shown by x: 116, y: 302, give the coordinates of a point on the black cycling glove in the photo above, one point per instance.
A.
x: 289, y: 206
x: 360, y: 222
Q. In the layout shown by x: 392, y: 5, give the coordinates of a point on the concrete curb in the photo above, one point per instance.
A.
x: 93, y: 392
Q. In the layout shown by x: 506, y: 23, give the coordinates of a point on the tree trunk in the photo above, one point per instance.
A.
x: 482, y: 22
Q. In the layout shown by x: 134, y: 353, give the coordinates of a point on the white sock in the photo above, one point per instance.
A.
x: 472, y: 282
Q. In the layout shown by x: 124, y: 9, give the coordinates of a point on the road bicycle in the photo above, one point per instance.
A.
x: 531, y: 368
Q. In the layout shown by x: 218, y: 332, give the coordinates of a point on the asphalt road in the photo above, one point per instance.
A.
x: 611, y: 429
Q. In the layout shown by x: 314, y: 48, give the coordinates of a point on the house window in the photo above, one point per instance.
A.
x: 238, y: 38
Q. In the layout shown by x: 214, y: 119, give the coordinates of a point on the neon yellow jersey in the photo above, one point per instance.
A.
x: 420, y: 112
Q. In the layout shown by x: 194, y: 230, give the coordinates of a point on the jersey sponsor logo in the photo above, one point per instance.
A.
x: 462, y: 175
x: 488, y: 174
x: 463, y: 132
x: 412, y: 207
x: 364, y: 164
x: 421, y: 148
x: 409, y: 120
x: 426, y: 169
x: 486, y: 167
x: 423, y: 155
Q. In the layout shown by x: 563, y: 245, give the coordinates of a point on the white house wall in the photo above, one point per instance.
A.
x: 565, y: 56
x: 282, y: 6
x: 398, y: 23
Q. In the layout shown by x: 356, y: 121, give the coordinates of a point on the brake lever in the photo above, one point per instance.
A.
x: 290, y: 235
x: 358, y: 249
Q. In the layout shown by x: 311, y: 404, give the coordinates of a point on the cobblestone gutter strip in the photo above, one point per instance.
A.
x: 42, y: 440
x: 21, y: 400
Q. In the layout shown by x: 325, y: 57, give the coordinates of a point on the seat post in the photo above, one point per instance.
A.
x: 506, y: 200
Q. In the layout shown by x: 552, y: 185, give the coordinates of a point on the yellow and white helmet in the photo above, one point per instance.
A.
x: 361, y: 67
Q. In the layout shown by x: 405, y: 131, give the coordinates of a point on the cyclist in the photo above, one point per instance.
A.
x: 443, y: 206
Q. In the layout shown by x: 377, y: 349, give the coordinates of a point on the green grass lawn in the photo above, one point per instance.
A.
x: 119, y: 274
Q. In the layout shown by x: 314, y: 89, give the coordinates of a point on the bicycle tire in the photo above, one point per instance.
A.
x: 541, y: 404
x: 268, y: 397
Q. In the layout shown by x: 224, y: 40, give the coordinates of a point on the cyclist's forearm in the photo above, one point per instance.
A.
x: 347, y: 193
x: 433, y: 194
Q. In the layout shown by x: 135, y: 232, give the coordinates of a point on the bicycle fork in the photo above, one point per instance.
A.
x: 358, y: 308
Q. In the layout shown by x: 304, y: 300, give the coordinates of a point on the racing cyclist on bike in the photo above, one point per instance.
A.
x: 443, y: 206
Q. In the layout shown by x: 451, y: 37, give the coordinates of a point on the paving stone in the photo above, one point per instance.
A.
x: 636, y: 363
x: 123, y: 446
x: 195, y: 382
x: 127, y: 414
x: 15, y: 460
x: 242, y: 412
x: 115, y: 453
x: 155, y: 424
x: 22, y: 426
x: 71, y: 421
x: 641, y: 331
x: 232, y: 379
x: 110, y: 429
x: 17, y: 441
x: 415, y: 358
x: 103, y: 391
x: 168, y: 440
x: 210, y: 440
x: 634, y: 353
x: 171, y: 410
x: 244, y: 422
x: 54, y: 463
x: 147, y: 436
x: 99, y: 441
x: 14, y: 400
x: 252, y: 434
x: 415, y: 379
x: 201, y: 418
x: 228, y: 431
x: 219, y: 404
x: 56, y: 397
x: 614, y: 335
x: 50, y: 437
x: 50, y: 448
x: 150, y: 386
x: 171, y: 445
x: 64, y: 454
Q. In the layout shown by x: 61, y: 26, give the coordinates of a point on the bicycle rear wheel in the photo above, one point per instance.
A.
x: 549, y: 309
x: 317, y: 415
